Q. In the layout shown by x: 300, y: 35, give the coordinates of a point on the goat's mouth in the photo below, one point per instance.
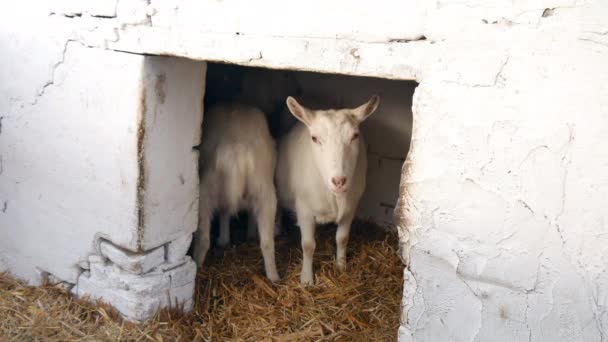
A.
x: 338, y: 191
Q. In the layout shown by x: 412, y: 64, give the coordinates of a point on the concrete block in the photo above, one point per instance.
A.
x: 182, y: 274
x: 137, y: 263
x: 84, y: 264
x: 177, y: 249
x: 137, y: 297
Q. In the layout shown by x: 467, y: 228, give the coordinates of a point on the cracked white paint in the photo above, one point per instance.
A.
x: 504, y: 223
x: 498, y: 215
x: 62, y: 183
x: 87, y: 137
x: 174, y: 90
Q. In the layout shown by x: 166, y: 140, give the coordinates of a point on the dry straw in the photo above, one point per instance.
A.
x: 235, y: 302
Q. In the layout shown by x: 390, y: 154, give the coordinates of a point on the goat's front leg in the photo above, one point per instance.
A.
x: 342, y: 235
x: 306, y: 222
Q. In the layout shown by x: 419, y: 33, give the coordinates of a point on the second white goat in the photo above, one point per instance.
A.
x: 238, y: 159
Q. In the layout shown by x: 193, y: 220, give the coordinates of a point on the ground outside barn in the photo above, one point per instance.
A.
x: 235, y: 302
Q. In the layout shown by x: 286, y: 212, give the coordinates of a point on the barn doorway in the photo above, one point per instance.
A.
x: 232, y: 293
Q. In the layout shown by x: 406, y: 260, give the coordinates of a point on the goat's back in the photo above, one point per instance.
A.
x: 238, y: 154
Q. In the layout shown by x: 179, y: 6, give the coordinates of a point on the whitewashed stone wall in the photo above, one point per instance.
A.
x: 502, y: 214
x: 506, y: 181
x: 98, y: 180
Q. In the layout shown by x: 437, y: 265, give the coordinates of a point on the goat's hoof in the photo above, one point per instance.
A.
x: 341, y: 265
x: 223, y: 243
x: 307, y: 281
x: 273, y: 278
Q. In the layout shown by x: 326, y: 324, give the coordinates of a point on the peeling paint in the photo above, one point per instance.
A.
x: 548, y: 12
x: 141, y: 165
x: 400, y: 213
x: 54, y: 68
x: 159, y: 88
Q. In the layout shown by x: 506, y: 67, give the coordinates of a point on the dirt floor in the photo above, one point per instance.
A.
x: 235, y: 302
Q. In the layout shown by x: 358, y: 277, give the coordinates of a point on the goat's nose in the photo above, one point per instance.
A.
x: 339, y: 181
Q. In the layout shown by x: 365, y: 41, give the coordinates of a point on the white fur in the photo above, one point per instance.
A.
x: 238, y: 159
x: 305, y: 170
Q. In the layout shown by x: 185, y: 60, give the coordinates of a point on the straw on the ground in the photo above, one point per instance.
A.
x: 235, y: 302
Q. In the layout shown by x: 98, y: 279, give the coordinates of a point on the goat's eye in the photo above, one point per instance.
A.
x: 315, y: 139
x: 355, y: 136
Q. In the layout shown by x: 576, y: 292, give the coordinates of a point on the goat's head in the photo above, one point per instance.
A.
x: 334, y: 135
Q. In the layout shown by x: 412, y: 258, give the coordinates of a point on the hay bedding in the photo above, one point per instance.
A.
x: 234, y: 301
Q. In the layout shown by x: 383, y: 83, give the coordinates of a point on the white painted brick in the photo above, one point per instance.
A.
x: 84, y: 264
x: 137, y: 297
x: 137, y: 263
x: 182, y: 274
x: 177, y: 249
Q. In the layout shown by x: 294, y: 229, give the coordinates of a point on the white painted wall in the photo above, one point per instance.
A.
x: 310, y: 19
x: 173, y: 117
x: 506, y: 179
x: 67, y: 148
x: 503, y: 215
x: 96, y: 146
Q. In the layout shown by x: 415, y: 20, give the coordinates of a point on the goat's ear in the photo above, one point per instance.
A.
x: 365, y: 110
x: 300, y: 112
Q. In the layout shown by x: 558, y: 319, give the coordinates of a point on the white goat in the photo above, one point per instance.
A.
x: 321, y: 173
x: 238, y: 160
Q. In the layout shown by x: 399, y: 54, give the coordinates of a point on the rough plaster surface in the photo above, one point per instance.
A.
x: 87, y: 136
x: 502, y: 206
x: 172, y: 118
x: 68, y: 148
x: 505, y: 182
